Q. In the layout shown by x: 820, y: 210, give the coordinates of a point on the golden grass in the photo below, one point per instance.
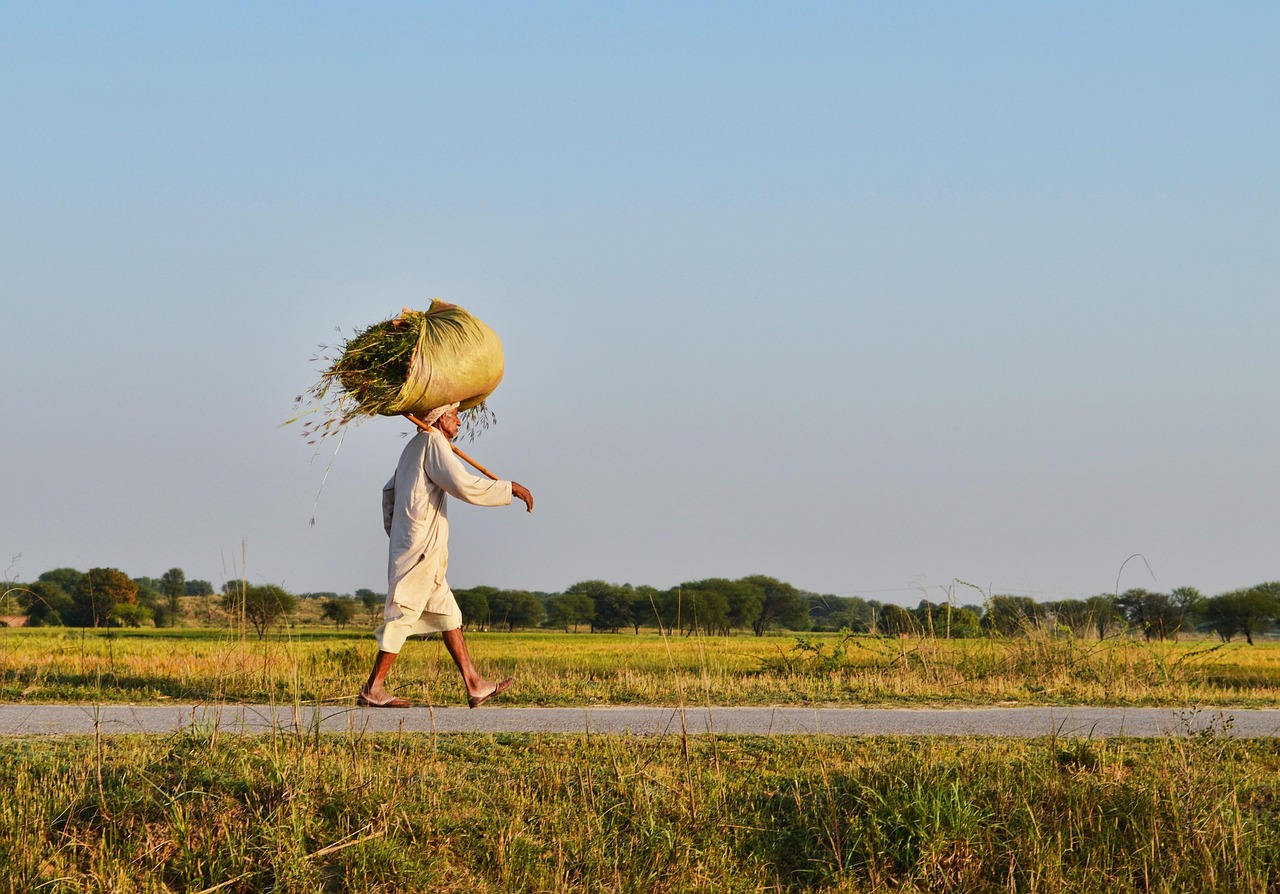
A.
x: 58, y: 664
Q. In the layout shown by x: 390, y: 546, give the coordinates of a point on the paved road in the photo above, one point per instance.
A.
x: 26, y: 720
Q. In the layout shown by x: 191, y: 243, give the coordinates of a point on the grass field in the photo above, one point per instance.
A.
x: 283, y: 813
x: 201, y: 811
x: 326, y: 666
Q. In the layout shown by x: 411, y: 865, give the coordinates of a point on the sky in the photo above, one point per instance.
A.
x: 881, y: 300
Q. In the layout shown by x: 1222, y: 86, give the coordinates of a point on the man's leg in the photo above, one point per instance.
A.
x: 391, y: 636
x: 478, y: 688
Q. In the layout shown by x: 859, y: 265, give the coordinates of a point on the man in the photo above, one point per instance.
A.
x: 415, y: 514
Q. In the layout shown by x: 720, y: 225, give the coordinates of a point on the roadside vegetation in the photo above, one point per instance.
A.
x: 200, y: 812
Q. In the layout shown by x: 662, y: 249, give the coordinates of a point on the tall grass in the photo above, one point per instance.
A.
x: 324, y: 666
x: 297, y: 813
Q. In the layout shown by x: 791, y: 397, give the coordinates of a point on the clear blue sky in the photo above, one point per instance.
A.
x: 867, y: 297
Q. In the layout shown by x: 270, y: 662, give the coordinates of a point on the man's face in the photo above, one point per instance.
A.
x: 449, y: 424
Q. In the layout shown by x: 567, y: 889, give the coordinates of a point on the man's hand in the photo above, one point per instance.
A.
x: 520, y: 492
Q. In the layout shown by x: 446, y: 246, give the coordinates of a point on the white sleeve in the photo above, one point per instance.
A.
x: 447, y: 472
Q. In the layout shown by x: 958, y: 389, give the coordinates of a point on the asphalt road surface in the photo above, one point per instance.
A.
x: 1080, y: 722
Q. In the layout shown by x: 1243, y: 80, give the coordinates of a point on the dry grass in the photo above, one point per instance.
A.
x: 320, y: 665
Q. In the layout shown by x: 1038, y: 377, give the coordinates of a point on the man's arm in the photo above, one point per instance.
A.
x: 520, y: 492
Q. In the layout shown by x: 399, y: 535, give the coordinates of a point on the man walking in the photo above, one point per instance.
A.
x: 415, y: 514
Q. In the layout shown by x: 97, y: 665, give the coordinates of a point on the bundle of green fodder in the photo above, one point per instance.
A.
x: 412, y: 363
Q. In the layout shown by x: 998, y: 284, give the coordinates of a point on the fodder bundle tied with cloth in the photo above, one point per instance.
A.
x: 409, y: 365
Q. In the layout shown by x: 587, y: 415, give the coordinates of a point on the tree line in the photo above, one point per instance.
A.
x: 756, y: 604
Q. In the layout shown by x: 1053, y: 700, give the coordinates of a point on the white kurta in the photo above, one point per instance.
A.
x: 416, y: 516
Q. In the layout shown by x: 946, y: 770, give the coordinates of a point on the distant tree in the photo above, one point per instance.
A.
x: 260, y: 604
x: 612, y: 604
x: 173, y: 584
x: 132, y: 614
x: 1012, y: 615
x: 646, y: 607
x: 98, y: 594
x: 565, y: 610
x: 1189, y: 604
x: 1104, y: 613
x: 197, y: 588
x: 515, y: 608
x: 1072, y: 615
x: 704, y: 606
x: 46, y: 604
x: 66, y: 578
x: 152, y: 604
x: 372, y: 602
x: 474, y: 603
x: 1248, y: 611
x: 897, y: 621
x: 850, y: 613
x: 1156, y: 615
x: 782, y: 606
x: 340, y: 611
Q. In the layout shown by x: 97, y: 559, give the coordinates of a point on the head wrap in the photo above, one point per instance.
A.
x: 434, y: 416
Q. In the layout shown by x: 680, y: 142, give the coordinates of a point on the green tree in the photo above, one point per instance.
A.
x: 1156, y: 615
x: 98, y: 594
x: 46, y: 604
x: 474, y: 604
x: 197, y: 588
x: 372, y: 602
x: 1073, y: 615
x: 173, y: 586
x: 704, y: 606
x: 340, y: 611
x: 515, y: 608
x: 612, y: 604
x: 897, y: 621
x: 565, y: 610
x: 66, y: 578
x: 830, y: 613
x: 1012, y: 615
x: 1248, y: 611
x: 782, y: 605
x: 260, y: 604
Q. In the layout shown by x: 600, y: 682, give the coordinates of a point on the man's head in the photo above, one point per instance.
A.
x: 445, y: 420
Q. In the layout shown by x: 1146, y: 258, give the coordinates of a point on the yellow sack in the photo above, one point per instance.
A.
x: 412, y: 363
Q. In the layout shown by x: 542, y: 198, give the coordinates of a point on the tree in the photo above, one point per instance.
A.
x: 261, y: 605
x: 850, y: 613
x: 704, y: 606
x: 372, y: 601
x: 1104, y: 613
x: 565, y: 610
x: 897, y: 621
x: 340, y: 611
x: 1157, y: 615
x: 474, y: 604
x: 197, y: 588
x: 1246, y: 611
x: 98, y: 594
x: 782, y: 605
x: 46, y: 604
x: 515, y: 608
x: 612, y: 604
x: 66, y: 578
x: 1073, y: 615
x: 1011, y: 615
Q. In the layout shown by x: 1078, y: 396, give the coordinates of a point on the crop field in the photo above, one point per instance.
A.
x: 327, y: 666
x: 202, y: 811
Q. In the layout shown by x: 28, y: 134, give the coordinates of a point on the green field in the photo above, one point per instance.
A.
x: 325, y: 666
